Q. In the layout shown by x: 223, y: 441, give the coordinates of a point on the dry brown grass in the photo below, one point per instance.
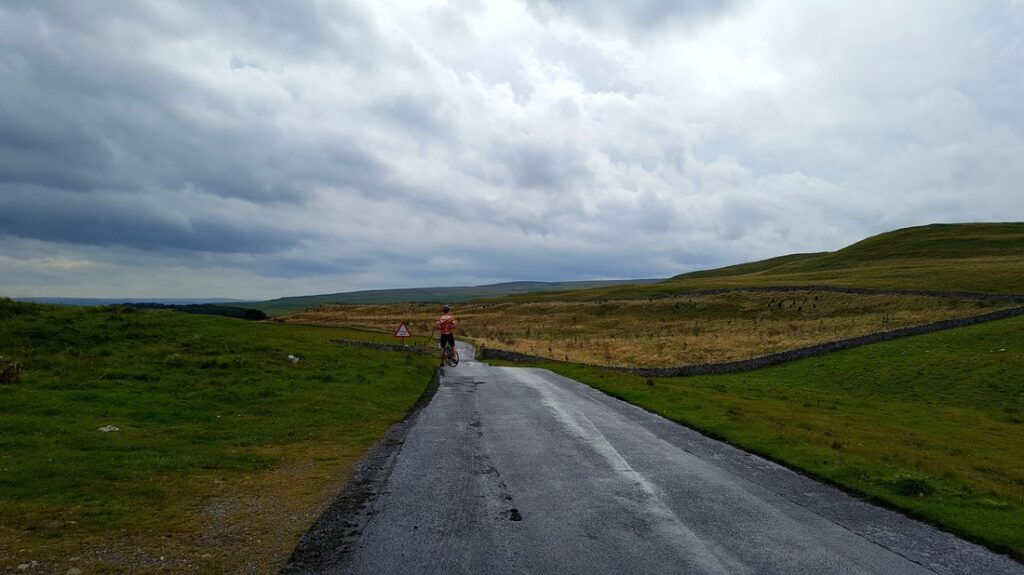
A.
x: 662, y: 332
x: 233, y: 524
x: 236, y: 524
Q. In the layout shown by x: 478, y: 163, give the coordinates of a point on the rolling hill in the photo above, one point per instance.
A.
x: 952, y: 257
x: 985, y: 257
x: 434, y: 294
x: 979, y: 257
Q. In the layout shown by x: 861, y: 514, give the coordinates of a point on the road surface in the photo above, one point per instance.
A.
x: 519, y: 470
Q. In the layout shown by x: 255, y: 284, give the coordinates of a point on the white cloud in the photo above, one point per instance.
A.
x: 255, y: 150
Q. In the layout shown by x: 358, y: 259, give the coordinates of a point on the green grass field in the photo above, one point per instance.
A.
x: 951, y: 257
x: 943, y: 257
x: 932, y: 425
x: 226, y: 451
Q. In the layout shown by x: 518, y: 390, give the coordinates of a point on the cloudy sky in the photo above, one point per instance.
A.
x: 259, y: 149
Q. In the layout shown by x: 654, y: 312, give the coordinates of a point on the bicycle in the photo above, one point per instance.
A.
x: 451, y: 355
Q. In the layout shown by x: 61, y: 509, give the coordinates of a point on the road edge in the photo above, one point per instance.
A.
x: 931, y: 545
x: 329, y: 542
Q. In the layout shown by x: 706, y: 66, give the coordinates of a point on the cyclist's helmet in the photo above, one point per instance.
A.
x: 445, y: 307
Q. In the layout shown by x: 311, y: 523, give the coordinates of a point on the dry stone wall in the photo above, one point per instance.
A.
x: 781, y: 357
x: 380, y: 346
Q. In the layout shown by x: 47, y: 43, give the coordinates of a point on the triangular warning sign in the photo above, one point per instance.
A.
x: 403, y: 331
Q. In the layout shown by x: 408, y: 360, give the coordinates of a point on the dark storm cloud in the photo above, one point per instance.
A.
x: 296, y: 263
x: 113, y: 145
x: 95, y: 115
x: 125, y: 220
x: 290, y: 267
x: 37, y: 151
x: 86, y: 105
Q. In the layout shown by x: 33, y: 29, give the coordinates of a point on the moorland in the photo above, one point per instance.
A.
x: 682, y: 329
x: 932, y: 425
x: 226, y: 448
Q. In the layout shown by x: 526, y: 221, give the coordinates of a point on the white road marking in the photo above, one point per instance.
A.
x: 661, y: 516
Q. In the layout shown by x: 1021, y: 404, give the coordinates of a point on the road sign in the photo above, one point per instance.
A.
x: 403, y: 331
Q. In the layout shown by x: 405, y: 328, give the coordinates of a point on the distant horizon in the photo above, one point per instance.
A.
x: 227, y: 299
x: 89, y: 301
x: 167, y: 300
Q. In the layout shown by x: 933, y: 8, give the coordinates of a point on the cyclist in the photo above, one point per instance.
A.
x: 446, y: 324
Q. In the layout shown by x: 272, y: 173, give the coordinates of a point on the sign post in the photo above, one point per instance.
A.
x: 403, y: 332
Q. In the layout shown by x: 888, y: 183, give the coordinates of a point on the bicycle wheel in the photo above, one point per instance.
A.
x: 451, y: 356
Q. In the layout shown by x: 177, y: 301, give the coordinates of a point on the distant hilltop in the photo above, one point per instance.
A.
x: 974, y: 257
x: 436, y: 294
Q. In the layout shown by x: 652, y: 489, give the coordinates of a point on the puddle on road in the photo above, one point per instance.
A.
x: 461, y: 383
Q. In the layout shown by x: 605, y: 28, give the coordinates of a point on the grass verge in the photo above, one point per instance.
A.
x: 226, y: 449
x: 931, y: 425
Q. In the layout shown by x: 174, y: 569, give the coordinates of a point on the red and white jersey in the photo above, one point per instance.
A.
x: 446, y: 323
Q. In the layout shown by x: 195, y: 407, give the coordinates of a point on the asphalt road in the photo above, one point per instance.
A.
x: 519, y: 470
